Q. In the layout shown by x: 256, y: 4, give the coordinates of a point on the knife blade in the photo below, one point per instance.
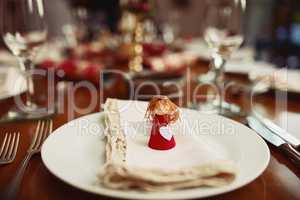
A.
x: 278, y: 130
x: 265, y: 133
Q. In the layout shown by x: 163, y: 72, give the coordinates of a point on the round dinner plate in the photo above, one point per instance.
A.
x: 75, y: 154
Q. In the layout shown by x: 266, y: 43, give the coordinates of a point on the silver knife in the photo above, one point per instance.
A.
x: 265, y: 133
x: 278, y: 131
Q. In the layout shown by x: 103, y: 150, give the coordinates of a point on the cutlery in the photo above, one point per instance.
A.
x: 265, y: 133
x: 295, y: 142
x: 9, y: 147
x: 43, y: 129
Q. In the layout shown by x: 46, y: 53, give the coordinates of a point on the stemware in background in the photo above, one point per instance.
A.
x: 223, y: 33
x: 24, y: 32
x: 77, y: 31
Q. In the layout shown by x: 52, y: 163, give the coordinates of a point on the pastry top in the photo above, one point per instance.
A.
x: 162, y: 105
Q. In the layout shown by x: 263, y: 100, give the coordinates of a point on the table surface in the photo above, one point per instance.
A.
x: 279, y: 181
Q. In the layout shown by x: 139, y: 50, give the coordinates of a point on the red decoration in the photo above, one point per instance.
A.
x: 142, y: 6
x: 158, y: 140
x: 154, y: 48
x: 46, y: 64
x: 162, y: 112
x: 69, y: 66
x: 91, y: 72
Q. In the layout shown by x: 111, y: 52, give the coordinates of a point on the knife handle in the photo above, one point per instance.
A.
x: 291, y: 152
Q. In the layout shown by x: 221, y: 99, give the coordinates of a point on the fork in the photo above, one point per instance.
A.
x: 43, y: 129
x: 9, y: 147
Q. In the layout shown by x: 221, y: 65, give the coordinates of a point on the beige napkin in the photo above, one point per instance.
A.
x: 131, y: 164
x: 12, y: 82
x: 282, y: 79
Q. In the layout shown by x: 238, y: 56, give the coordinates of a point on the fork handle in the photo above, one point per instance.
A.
x: 14, y: 185
x: 292, y: 153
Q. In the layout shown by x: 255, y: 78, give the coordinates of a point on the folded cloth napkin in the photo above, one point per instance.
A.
x: 12, y: 82
x: 131, y: 164
x: 247, y: 67
x: 281, y: 79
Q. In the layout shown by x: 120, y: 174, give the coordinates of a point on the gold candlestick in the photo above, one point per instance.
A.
x: 136, y: 62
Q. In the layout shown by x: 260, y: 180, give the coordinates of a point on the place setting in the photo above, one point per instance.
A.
x: 147, y: 99
x: 127, y: 157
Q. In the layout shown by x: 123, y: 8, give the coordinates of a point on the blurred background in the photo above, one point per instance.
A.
x: 159, y: 41
x: 272, y: 27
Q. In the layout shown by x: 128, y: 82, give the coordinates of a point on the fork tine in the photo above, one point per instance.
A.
x: 41, y: 133
x: 43, y: 136
x: 11, y: 146
x: 3, y: 143
x: 48, y: 130
x: 35, y: 135
x: 16, y: 146
x: 6, y: 146
x: 50, y: 127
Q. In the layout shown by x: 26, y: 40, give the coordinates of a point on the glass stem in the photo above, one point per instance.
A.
x: 218, y: 64
x: 26, y: 67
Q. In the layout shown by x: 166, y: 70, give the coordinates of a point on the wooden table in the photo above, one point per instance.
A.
x: 279, y: 181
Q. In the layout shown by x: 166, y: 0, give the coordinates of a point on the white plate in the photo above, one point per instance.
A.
x: 75, y: 153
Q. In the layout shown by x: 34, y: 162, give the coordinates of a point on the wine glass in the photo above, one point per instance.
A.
x: 24, y: 31
x: 223, y: 33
